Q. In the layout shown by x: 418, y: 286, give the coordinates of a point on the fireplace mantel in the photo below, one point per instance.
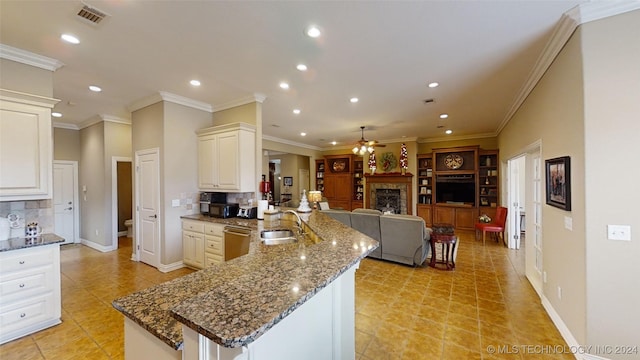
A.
x: 392, y: 180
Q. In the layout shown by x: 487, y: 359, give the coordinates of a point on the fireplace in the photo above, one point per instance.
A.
x: 388, y: 201
x: 389, y: 193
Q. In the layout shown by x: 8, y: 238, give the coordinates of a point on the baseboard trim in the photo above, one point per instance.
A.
x: 122, y: 233
x: 170, y: 267
x: 96, y: 246
x: 565, y: 332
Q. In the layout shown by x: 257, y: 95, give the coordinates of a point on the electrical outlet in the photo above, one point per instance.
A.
x: 97, y: 232
x: 619, y: 232
x: 544, y: 277
x: 559, y: 293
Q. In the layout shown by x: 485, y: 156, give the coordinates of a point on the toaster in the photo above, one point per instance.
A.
x: 248, y: 212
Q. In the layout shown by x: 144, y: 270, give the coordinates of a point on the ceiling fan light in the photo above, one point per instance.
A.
x: 355, y: 150
x: 370, y: 149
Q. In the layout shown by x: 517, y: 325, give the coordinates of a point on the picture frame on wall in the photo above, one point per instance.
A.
x: 287, y: 181
x: 558, y: 182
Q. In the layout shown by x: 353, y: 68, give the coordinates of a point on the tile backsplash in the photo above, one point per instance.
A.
x: 40, y: 211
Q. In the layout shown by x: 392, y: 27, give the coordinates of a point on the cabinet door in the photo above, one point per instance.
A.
x: 444, y: 215
x: 425, y: 212
x: 193, y: 249
x: 466, y: 218
x: 26, y: 165
x: 228, y: 161
x: 207, y: 161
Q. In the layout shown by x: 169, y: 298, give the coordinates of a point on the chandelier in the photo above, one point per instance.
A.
x: 363, y: 146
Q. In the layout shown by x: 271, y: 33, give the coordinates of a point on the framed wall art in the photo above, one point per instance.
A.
x: 558, y: 184
x: 288, y: 181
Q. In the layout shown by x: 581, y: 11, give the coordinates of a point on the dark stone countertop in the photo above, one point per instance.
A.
x: 236, y: 302
x: 23, y: 243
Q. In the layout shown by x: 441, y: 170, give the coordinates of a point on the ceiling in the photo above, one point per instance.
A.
x: 383, y: 52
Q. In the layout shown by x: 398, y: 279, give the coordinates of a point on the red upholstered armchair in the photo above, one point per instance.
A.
x: 495, y: 227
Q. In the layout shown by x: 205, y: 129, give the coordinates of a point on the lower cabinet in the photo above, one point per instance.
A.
x: 202, y: 243
x: 193, y: 243
x: 214, y: 244
x: 30, y: 288
x: 425, y: 212
x: 462, y: 218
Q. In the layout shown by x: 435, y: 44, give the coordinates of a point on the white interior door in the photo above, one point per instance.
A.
x: 65, y: 196
x: 533, y: 243
x: 148, y: 206
x: 515, y: 174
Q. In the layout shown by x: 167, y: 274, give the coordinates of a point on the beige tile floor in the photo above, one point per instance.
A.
x: 401, y: 312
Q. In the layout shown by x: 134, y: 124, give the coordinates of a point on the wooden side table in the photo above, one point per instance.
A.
x: 443, y: 234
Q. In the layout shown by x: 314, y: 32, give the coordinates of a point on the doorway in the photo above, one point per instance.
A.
x: 147, y: 219
x: 524, y: 199
x: 65, y: 201
x: 121, y: 197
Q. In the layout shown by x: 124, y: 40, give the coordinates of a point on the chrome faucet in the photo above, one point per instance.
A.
x: 298, y: 220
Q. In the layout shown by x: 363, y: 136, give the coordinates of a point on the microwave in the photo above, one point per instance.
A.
x: 222, y: 210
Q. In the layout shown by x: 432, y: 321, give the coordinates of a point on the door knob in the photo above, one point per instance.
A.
x: 69, y: 203
x: 153, y: 216
x: 69, y: 208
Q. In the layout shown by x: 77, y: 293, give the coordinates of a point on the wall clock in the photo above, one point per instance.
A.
x: 453, y: 161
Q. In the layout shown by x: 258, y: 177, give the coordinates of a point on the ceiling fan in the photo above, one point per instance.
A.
x: 363, y: 146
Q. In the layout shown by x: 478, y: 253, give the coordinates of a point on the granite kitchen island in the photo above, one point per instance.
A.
x: 257, y: 304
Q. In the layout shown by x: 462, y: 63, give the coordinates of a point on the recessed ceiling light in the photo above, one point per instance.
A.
x: 444, y: 116
x: 194, y: 82
x: 284, y: 85
x: 303, y: 134
x: 296, y: 111
x: 301, y: 67
x: 334, y: 142
x: 448, y: 132
x: 56, y: 114
x: 313, y: 31
x: 70, y: 38
x: 95, y: 88
x: 354, y: 100
x: 433, y: 84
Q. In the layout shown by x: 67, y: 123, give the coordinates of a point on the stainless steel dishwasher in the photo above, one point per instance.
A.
x: 236, y: 241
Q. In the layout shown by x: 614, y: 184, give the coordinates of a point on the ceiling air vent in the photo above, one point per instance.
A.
x: 91, y: 15
x: 427, y: 101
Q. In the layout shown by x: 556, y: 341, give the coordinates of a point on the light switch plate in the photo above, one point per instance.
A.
x: 175, y: 202
x: 619, y: 232
x: 568, y: 223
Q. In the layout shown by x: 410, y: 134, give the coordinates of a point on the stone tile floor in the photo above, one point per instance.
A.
x: 401, y: 312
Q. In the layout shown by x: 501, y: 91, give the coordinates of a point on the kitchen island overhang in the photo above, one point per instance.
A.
x: 235, y: 303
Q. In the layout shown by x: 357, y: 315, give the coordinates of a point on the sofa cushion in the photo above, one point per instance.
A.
x: 341, y: 215
x: 406, y: 238
x: 367, y: 211
x: 368, y: 223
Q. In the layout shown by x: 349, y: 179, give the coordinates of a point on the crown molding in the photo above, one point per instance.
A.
x: 289, y: 142
x: 562, y: 31
x: 114, y: 119
x: 24, y: 98
x: 29, y: 58
x: 457, y: 138
x: 257, y: 97
x: 169, y: 97
x: 96, y: 119
x: 61, y: 125
x: 181, y: 100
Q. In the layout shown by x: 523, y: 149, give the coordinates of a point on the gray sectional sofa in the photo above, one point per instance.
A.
x: 403, y: 238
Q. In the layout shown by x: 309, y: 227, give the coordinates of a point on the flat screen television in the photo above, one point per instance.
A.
x: 456, y: 192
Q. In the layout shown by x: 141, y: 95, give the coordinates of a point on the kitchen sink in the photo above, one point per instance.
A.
x: 277, y: 236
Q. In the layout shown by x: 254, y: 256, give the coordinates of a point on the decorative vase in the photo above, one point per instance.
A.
x: 403, y: 171
x: 373, y: 171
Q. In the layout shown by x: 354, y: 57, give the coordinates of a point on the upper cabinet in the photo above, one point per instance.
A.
x: 26, y: 146
x: 226, y: 158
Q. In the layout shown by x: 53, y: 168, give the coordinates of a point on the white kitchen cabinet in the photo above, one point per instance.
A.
x: 226, y: 158
x: 214, y: 244
x: 193, y: 243
x: 29, y: 291
x: 26, y: 146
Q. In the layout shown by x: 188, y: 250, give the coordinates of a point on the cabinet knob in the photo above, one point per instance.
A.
x: 21, y: 262
x: 21, y: 285
x: 23, y: 315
